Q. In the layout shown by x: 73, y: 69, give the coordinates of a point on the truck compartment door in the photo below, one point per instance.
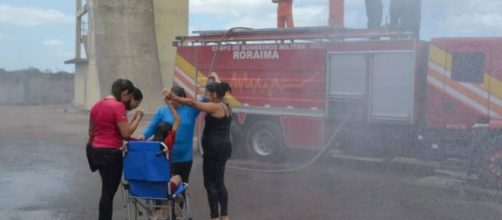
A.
x: 348, y: 75
x: 392, y: 87
x: 348, y: 87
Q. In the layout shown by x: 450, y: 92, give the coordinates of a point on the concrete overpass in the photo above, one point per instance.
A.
x: 126, y: 39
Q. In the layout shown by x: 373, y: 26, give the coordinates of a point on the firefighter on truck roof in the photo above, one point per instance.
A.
x: 284, y: 13
x: 405, y: 15
x: 374, y: 12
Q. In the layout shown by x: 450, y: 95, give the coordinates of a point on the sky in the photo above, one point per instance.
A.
x: 41, y: 34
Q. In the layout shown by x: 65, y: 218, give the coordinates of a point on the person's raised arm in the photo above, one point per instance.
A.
x: 210, y: 108
x: 150, y: 129
x: 127, y: 129
x: 176, y: 117
x: 213, y: 77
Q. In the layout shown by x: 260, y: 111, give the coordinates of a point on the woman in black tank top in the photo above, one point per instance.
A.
x: 216, y: 135
x: 215, y: 143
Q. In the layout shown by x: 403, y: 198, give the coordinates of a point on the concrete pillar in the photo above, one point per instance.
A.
x: 130, y: 39
x: 171, y: 20
x: 91, y: 82
x: 126, y: 47
x: 80, y: 85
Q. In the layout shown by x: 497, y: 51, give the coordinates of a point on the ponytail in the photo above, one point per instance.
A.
x: 220, y: 88
x: 226, y: 87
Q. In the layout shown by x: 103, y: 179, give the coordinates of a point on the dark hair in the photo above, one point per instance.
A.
x: 220, y: 88
x: 137, y: 94
x: 121, y: 85
x: 163, y: 129
x: 179, y: 91
x: 226, y: 87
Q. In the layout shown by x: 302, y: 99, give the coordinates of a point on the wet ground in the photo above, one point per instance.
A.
x: 44, y: 175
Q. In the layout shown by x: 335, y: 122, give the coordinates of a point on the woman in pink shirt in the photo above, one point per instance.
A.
x: 108, y: 127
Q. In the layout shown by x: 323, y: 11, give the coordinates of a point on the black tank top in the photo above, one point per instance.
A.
x: 217, y: 129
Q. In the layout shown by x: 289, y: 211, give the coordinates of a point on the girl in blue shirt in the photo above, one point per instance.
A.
x: 182, y: 154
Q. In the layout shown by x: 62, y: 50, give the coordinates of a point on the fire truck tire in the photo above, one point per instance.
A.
x: 265, y: 141
x: 490, y: 162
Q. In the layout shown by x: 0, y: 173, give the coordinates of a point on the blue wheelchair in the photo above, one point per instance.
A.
x: 146, y: 183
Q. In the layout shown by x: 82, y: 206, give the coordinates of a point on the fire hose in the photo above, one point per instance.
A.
x: 314, y: 159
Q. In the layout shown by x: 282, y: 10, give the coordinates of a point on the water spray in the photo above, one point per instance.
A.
x: 315, y: 158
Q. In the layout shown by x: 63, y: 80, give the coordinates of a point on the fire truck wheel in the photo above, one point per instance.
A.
x: 265, y: 141
x: 491, y: 162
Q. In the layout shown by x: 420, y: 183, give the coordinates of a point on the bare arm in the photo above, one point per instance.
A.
x: 127, y: 129
x: 210, y: 108
x: 175, y: 115
x: 214, y: 76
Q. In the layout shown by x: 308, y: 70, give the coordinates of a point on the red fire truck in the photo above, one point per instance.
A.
x: 398, y: 95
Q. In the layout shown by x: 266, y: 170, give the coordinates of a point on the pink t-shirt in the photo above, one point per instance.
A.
x: 105, y: 115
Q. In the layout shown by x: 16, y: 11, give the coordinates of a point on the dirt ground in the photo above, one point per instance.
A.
x: 44, y: 175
